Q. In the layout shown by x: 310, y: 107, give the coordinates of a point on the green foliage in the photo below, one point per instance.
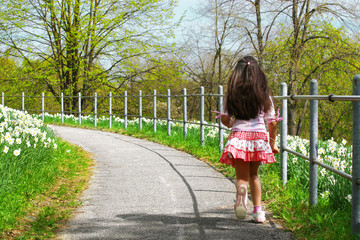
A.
x: 290, y: 205
x: 32, y: 161
x: 27, y: 165
x: 85, y: 46
x: 330, y: 57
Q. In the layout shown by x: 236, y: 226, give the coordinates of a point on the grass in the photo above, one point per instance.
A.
x: 48, y: 212
x: 329, y: 219
x: 41, y: 180
x: 290, y: 205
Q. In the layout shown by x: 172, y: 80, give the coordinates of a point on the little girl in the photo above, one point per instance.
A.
x: 247, y: 103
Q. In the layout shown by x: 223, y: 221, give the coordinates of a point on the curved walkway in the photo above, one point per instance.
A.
x: 143, y: 190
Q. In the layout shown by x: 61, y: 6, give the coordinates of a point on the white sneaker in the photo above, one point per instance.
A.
x: 242, y: 197
x: 259, y: 217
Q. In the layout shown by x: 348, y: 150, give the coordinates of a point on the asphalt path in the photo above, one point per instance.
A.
x: 144, y: 190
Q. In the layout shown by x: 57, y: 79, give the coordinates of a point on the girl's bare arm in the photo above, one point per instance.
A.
x: 272, y: 134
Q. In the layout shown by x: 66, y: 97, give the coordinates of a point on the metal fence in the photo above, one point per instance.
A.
x: 284, y: 150
x: 140, y: 114
x: 313, y: 158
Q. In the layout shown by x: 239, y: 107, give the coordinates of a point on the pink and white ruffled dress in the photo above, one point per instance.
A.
x: 249, y: 141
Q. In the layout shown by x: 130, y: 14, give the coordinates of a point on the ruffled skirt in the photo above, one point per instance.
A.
x: 247, y: 146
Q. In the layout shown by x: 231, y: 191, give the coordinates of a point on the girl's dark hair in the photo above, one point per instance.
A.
x: 248, y: 91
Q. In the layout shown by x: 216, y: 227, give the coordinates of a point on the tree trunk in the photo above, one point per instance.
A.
x: 301, y: 119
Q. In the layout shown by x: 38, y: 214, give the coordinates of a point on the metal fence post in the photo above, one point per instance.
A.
x: 154, y: 111
x: 202, y: 116
x: 184, y: 112
x: 79, y: 108
x: 125, y: 110
x: 168, y: 113
x: 283, y: 135
x: 140, y: 109
x: 62, y: 107
x: 43, y: 106
x: 23, y: 101
x: 355, y: 218
x: 95, y: 109
x: 110, y: 109
x: 313, y: 176
x: 221, y: 131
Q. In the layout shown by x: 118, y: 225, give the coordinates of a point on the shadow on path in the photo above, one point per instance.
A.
x: 181, y: 226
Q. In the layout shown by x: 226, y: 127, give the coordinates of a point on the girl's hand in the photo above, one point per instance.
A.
x: 274, y: 149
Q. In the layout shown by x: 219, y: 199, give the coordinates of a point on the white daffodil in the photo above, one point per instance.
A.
x: 332, y: 179
x: 349, y: 197
x: 336, y: 164
x: 323, y: 172
x: 324, y: 194
x: 17, y: 152
x: 7, y: 136
x: 11, y: 141
x: 331, y: 149
x: 6, y: 149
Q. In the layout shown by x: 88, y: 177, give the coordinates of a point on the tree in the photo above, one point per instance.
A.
x: 256, y: 26
x: 163, y: 73
x: 210, y: 49
x: 80, y: 45
x: 332, y: 60
x: 304, y: 16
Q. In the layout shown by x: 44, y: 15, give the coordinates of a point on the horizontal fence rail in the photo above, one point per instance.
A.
x: 331, y: 97
x: 334, y: 170
x: 284, y: 150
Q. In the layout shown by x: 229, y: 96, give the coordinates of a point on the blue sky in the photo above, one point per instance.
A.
x: 186, y: 5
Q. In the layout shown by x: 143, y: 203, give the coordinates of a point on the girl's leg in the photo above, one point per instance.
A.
x: 242, y: 170
x: 246, y: 172
x: 255, y: 184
